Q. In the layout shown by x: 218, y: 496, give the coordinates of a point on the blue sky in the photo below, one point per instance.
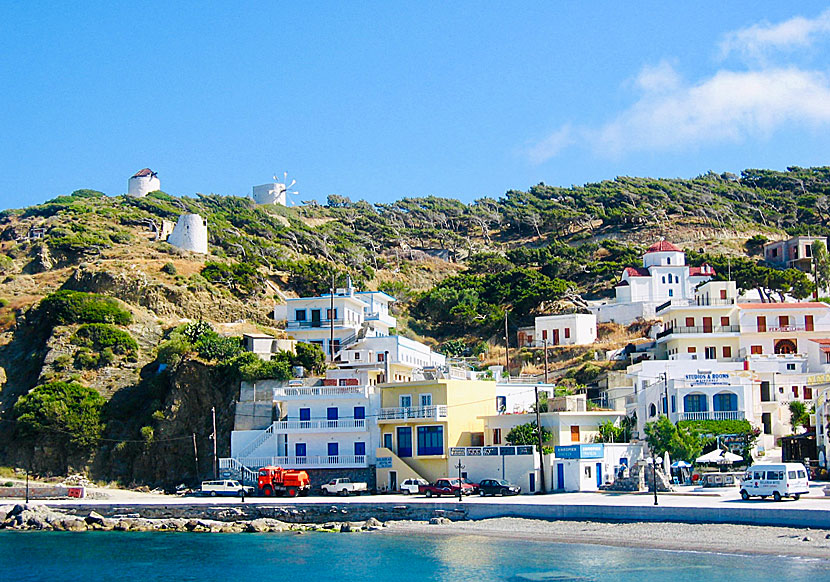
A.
x: 380, y: 100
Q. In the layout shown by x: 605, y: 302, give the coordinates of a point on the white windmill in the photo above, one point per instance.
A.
x: 276, y: 192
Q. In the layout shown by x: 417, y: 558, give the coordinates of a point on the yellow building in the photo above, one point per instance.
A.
x: 420, y: 421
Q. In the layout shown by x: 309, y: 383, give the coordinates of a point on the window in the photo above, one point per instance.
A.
x: 405, y: 400
x: 668, y: 260
x: 723, y: 293
x: 567, y: 332
x: 761, y: 323
x: 315, y: 318
x: 783, y: 321
x: 496, y: 436
x: 756, y: 350
x: 710, y: 353
x: 331, y: 314
x: 808, y: 393
x: 359, y: 413
x: 724, y: 321
x: 381, y: 357
x: 652, y: 411
x: 727, y: 352
x: 795, y: 391
x: 430, y: 440
x: 544, y: 334
x: 387, y: 440
x: 695, y: 403
x: 299, y: 450
x: 305, y: 416
x: 725, y: 402
x: 357, y: 355
x: 333, y: 449
x: 574, y: 433
x: 426, y: 399
x: 299, y: 314
x: 663, y: 280
x: 691, y: 350
x: 673, y: 403
x: 690, y: 322
x: 360, y: 449
x: 671, y: 292
x: 808, y: 323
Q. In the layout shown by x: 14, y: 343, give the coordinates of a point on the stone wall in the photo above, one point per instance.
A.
x: 320, y: 476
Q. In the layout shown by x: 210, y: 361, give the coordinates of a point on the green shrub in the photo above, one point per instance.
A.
x: 170, y: 269
x: 65, y: 307
x: 310, y: 356
x: 65, y: 413
x: 241, y: 278
x: 100, y: 336
x: 212, y: 346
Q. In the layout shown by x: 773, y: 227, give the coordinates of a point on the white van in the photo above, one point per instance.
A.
x: 224, y: 487
x: 781, y: 480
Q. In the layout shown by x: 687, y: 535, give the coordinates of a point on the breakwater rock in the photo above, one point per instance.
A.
x: 41, y: 517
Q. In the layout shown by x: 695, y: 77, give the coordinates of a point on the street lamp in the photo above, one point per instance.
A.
x: 459, y: 466
x: 654, y: 474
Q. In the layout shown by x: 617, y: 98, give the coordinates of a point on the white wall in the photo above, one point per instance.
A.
x: 140, y: 186
x: 190, y: 234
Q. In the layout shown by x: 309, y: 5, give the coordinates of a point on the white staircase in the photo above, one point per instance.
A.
x: 260, y: 440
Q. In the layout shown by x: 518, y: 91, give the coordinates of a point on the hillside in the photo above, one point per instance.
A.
x: 455, y: 268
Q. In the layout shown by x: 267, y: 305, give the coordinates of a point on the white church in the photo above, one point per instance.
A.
x: 663, y: 277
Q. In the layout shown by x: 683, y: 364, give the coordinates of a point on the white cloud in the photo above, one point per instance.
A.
x: 756, y: 41
x: 727, y: 107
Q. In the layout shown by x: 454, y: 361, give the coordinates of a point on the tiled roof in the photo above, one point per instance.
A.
x: 663, y: 246
x: 144, y: 172
x: 698, y: 271
x: 806, y: 305
x: 636, y: 272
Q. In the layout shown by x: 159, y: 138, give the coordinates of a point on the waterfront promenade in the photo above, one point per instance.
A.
x: 812, y: 510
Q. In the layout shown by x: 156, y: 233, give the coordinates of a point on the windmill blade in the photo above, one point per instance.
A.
x: 291, y: 184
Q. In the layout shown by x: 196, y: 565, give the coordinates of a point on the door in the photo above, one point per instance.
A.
x: 532, y: 478
x: 387, y: 440
x: 331, y: 416
x: 556, y: 337
x: 315, y: 318
x: 575, y: 433
x: 333, y: 451
x: 393, y: 480
x: 560, y: 476
x: 305, y: 418
x: 707, y: 325
x: 599, y: 474
x: 299, y: 451
x: 404, y: 441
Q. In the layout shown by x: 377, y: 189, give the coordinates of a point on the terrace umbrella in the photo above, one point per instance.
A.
x: 666, y: 462
x: 720, y: 457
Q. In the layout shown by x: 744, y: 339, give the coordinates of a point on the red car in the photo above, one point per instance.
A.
x: 446, y: 486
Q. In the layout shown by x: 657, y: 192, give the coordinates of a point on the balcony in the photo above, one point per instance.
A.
x: 699, y: 329
x: 699, y: 302
x: 303, y: 392
x: 341, y: 425
x: 383, y: 318
x: 436, y: 412
x: 323, y: 323
x: 712, y: 415
x: 309, y: 462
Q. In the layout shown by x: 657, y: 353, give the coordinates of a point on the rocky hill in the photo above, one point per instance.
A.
x: 455, y: 268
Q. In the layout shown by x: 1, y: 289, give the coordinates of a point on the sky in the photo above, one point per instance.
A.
x: 382, y: 100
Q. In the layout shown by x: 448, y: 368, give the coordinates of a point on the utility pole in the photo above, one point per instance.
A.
x: 654, y: 474
x: 195, y: 457
x: 666, y: 393
x: 546, y: 362
x: 331, y: 322
x: 215, y: 459
x: 459, y: 466
x: 506, y: 349
x: 27, y: 485
x: 543, y: 489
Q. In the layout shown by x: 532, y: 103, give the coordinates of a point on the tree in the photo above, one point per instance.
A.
x: 527, y: 434
x: 64, y: 415
x: 799, y: 416
x: 821, y: 259
x: 683, y: 443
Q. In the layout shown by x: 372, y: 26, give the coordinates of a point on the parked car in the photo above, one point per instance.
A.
x: 224, y: 487
x: 344, y: 487
x: 411, y: 485
x: 778, y: 480
x: 471, y: 484
x: 446, y: 486
x: 497, y: 487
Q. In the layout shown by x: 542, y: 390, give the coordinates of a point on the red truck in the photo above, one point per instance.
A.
x: 446, y: 486
x: 278, y: 481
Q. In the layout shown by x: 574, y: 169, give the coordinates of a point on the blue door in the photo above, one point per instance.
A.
x: 599, y: 474
x: 359, y: 416
x: 560, y: 476
x: 532, y: 477
x: 305, y: 417
x: 359, y: 449
x: 331, y: 416
x: 333, y: 449
x: 299, y: 450
x: 404, y: 441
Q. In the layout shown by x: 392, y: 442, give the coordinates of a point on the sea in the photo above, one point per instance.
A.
x: 379, y: 556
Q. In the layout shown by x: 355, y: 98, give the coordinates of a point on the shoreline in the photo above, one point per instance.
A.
x: 670, y: 536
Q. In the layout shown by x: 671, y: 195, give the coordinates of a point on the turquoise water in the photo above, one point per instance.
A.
x: 146, y: 557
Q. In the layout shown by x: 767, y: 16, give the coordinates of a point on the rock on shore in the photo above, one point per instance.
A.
x: 39, y: 517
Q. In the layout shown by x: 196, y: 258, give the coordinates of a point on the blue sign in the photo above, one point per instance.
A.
x: 593, y: 451
x: 491, y: 451
x: 524, y: 450
x: 384, y: 463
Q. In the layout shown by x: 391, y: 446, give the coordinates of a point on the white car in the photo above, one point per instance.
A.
x: 343, y: 487
x: 410, y: 486
x: 224, y: 487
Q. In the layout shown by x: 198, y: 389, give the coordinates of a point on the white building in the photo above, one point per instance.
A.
x: 265, y: 346
x: 190, y: 234
x: 664, y: 276
x: 572, y: 329
x: 348, y: 316
x: 143, y: 182
x: 392, y: 358
x: 274, y: 193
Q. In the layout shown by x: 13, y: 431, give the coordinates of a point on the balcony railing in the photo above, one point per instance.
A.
x: 340, y: 425
x: 713, y: 415
x: 699, y: 302
x: 434, y: 412
x: 700, y: 329
x: 309, y: 462
x: 320, y: 391
x: 294, y: 324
